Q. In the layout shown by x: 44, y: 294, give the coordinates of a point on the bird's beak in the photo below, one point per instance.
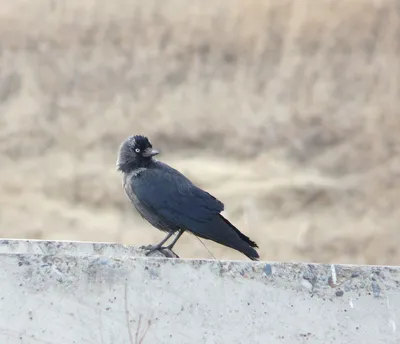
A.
x: 149, y: 152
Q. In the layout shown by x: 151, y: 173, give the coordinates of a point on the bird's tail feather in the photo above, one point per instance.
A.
x: 241, y: 235
x: 224, y: 233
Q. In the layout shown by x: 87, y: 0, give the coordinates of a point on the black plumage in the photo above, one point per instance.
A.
x: 171, y: 202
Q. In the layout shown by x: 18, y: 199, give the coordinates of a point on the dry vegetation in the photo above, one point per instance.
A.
x: 288, y: 111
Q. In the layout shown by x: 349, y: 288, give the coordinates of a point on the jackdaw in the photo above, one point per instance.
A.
x: 171, y: 202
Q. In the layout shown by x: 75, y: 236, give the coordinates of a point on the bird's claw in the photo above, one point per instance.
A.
x: 166, y: 251
x: 148, y: 247
x: 151, y: 251
x: 151, y: 248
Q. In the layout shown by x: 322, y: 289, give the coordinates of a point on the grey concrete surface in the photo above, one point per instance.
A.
x: 69, y: 292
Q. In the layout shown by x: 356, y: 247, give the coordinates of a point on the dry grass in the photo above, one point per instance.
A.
x: 288, y: 111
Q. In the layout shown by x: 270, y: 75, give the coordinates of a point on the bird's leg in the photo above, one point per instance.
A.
x: 152, y: 248
x: 172, y: 244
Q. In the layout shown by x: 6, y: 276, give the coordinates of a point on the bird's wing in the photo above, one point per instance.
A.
x: 171, y: 196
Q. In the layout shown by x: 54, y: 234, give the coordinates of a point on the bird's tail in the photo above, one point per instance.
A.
x: 239, y: 233
x: 225, y: 233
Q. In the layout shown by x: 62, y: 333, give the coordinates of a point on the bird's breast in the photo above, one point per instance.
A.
x: 129, y: 184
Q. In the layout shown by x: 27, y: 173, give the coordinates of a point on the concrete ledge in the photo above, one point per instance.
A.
x: 69, y: 292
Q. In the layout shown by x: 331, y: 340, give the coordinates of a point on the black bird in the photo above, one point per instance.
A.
x: 171, y: 202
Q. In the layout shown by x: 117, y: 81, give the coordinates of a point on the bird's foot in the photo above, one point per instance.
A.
x: 168, y: 253
x: 150, y: 247
x: 165, y: 251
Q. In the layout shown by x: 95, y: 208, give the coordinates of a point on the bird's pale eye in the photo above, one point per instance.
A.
x: 137, y: 150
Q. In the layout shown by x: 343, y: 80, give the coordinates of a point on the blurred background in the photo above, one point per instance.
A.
x: 287, y: 111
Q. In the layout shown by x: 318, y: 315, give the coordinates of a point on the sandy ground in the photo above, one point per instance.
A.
x: 287, y: 111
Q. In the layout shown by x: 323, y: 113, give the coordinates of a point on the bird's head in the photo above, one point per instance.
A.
x: 135, y: 152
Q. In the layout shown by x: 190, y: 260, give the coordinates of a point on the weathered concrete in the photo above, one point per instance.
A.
x: 64, y: 293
